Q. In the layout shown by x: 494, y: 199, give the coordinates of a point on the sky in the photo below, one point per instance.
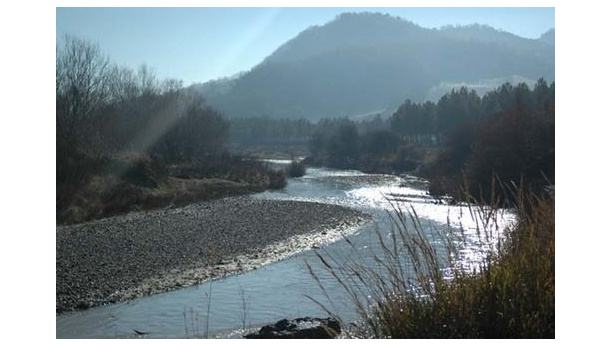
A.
x: 200, y: 44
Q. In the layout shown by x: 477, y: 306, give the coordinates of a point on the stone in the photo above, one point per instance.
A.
x: 299, y: 328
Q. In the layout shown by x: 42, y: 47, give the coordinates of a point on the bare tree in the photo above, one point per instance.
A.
x: 171, y: 85
x: 147, y: 81
x: 81, y: 85
x: 122, y: 84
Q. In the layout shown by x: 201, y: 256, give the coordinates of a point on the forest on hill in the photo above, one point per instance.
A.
x: 370, y: 62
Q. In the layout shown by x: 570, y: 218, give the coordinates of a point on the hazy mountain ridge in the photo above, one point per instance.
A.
x: 486, y: 33
x: 348, y: 30
x: 548, y: 37
x: 363, y: 62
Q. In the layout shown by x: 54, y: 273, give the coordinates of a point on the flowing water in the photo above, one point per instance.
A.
x: 230, y: 306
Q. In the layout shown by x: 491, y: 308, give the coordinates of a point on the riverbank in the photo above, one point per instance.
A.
x: 128, y: 256
x: 132, y: 182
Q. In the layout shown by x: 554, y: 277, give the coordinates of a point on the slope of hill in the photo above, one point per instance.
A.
x: 548, y: 37
x: 366, y: 62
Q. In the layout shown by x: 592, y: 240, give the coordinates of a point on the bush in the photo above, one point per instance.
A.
x: 138, y: 169
x: 296, y: 169
x: 277, y: 179
x: 517, y: 146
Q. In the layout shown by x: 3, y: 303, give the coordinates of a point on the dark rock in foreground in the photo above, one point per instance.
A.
x: 300, y: 328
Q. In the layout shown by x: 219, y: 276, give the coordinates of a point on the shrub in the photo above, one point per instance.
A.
x: 516, y: 146
x: 277, y: 179
x: 139, y: 169
x: 296, y: 169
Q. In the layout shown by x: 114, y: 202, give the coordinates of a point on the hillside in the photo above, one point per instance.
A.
x: 548, y: 37
x: 370, y: 62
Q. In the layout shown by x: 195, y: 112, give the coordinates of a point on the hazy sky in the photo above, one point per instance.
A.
x: 198, y: 44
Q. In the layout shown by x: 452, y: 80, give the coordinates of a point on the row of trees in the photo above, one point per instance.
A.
x: 265, y: 130
x: 103, y: 109
x: 345, y: 144
x: 508, y: 134
x: 119, y: 131
x: 427, y: 123
x: 278, y: 131
x: 464, y: 108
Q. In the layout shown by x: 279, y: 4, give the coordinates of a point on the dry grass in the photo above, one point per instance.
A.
x: 107, y: 196
x: 296, y: 169
x: 416, y: 289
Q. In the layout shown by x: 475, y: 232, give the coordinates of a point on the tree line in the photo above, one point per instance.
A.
x: 462, y: 138
x: 113, y: 122
x: 464, y: 108
x: 103, y: 109
x: 508, y: 134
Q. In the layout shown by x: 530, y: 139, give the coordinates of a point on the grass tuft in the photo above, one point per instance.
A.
x: 418, y: 286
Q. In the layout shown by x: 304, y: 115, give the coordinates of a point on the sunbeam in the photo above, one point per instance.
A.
x: 250, y: 35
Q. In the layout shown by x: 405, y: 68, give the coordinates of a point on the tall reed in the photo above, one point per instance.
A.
x: 419, y: 286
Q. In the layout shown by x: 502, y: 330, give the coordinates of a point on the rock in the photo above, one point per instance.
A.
x: 300, y: 328
x: 83, y: 305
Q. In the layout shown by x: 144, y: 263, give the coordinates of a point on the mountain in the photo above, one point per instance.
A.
x: 370, y: 62
x: 548, y: 37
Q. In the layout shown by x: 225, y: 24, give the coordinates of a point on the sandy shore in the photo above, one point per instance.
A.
x: 124, y: 257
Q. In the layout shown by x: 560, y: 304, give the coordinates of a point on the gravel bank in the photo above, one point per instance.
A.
x: 124, y: 257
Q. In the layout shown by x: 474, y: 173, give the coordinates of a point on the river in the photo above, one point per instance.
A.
x: 279, y: 290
